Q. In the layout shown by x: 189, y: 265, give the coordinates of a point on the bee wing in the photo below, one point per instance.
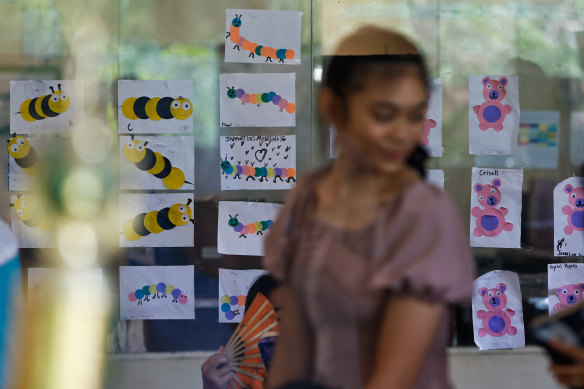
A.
x: 36, y: 88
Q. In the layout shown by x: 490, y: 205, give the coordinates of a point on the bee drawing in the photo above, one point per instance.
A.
x: 23, y: 153
x: 46, y: 106
x: 154, y: 163
x: 260, y: 98
x: 255, y: 48
x: 262, y: 173
x: 154, y: 222
x: 257, y: 228
x: 156, y: 108
x: 29, y: 213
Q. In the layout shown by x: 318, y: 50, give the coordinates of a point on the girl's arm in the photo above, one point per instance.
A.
x: 292, y: 359
x: 408, y: 328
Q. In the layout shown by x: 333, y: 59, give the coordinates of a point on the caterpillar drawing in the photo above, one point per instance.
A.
x: 257, y: 227
x: 263, y: 173
x: 24, y: 154
x: 260, y: 98
x: 159, y: 291
x: 255, y: 48
x: 155, y: 222
x: 46, y: 106
x: 28, y: 212
x: 154, y: 163
x: 157, y: 108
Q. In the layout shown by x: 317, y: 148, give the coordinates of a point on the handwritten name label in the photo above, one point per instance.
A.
x: 488, y: 172
x: 223, y: 124
x: 559, y: 266
x: 260, y: 138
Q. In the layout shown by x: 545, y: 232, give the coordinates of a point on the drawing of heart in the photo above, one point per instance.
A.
x: 261, y: 154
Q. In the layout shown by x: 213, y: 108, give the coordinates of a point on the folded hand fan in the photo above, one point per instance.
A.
x: 242, y: 349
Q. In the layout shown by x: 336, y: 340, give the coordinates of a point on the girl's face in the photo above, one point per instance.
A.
x: 383, y: 122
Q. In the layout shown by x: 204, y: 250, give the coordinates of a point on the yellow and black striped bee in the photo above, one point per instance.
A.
x: 157, y: 108
x: 46, y: 106
x: 157, y: 221
x: 154, y: 163
x: 24, y: 154
x: 28, y: 212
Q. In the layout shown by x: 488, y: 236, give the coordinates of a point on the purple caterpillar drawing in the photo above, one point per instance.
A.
x: 160, y: 290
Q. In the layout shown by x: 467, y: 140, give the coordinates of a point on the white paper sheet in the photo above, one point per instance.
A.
x: 233, y: 288
x: 30, y: 223
x: 276, y: 33
x: 565, y: 285
x: 577, y: 139
x: 493, y: 110
x: 569, y: 217
x: 146, y: 107
x: 45, y: 284
x: 497, y: 312
x: 432, y: 135
x: 435, y: 177
x: 274, y: 156
x: 257, y: 100
x: 176, y: 152
x: 495, y: 219
x: 157, y: 292
x: 63, y: 111
x: 133, y: 224
x: 243, y: 226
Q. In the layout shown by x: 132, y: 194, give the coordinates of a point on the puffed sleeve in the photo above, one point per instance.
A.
x: 423, y: 249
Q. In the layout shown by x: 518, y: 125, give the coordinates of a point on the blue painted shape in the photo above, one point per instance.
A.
x: 496, y: 324
x: 489, y: 222
x: 578, y: 219
x: 492, y: 113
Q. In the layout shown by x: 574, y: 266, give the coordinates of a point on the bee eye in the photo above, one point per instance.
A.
x: 186, y: 106
x: 140, y: 147
x: 64, y: 96
x: 130, y: 145
x: 20, y: 141
x: 182, y: 208
x: 14, y: 148
x: 55, y: 98
x: 19, y: 212
x: 185, y: 218
x: 175, y: 104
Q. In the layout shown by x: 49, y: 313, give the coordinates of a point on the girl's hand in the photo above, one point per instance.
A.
x: 216, y: 371
x: 569, y: 375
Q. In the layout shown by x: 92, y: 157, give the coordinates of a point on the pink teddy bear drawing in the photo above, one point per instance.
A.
x: 575, y: 210
x: 490, y: 220
x: 491, y: 113
x: 569, y: 295
x: 497, y: 319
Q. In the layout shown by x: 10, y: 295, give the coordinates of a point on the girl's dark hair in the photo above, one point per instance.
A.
x: 345, y: 74
x: 264, y: 285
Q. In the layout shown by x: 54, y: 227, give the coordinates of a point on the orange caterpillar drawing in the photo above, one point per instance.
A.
x: 254, y: 48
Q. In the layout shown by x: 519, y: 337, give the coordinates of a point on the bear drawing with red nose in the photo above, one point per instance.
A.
x: 491, y: 113
x: 497, y: 319
x: 575, y: 210
x: 490, y: 220
x: 569, y: 295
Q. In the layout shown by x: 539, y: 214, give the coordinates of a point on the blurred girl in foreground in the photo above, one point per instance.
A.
x: 370, y: 255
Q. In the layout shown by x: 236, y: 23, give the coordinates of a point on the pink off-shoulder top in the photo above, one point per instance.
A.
x: 417, y: 246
